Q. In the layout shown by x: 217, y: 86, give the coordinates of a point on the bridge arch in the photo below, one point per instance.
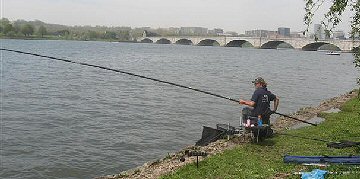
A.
x: 239, y: 43
x: 146, y: 40
x: 163, y: 41
x: 208, y: 42
x: 184, y: 42
x: 320, y: 46
x: 276, y: 44
x: 329, y: 47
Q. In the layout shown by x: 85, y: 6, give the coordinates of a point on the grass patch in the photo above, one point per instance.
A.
x: 265, y: 160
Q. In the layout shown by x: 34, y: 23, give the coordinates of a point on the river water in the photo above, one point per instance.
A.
x: 62, y: 120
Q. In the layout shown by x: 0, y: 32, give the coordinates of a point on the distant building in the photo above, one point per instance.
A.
x: 284, y: 31
x: 261, y: 33
x: 297, y: 35
x: 257, y: 33
x: 211, y: 32
x: 319, y: 32
x: 147, y: 33
x: 232, y: 33
x: 193, y: 31
x: 216, y: 31
x: 272, y: 34
x: 219, y: 31
x: 339, y: 35
x: 174, y: 30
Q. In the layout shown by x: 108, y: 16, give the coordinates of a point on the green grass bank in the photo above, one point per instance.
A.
x: 265, y: 159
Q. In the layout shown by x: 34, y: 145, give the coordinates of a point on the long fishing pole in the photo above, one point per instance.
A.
x: 141, y: 76
x: 274, y: 112
x: 122, y: 71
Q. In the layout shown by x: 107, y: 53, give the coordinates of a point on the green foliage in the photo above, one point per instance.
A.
x: 265, y: 160
x: 56, y: 31
x: 356, y: 53
x: 11, y: 34
x: 27, y: 29
x: 92, y: 35
x: 110, y: 35
x: 333, y: 17
x: 7, y: 28
x: 124, y: 35
x: 42, y: 31
x: 5, y: 25
x: 62, y: 32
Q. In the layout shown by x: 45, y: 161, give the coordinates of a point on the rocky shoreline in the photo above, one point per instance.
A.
x: 171, y: 162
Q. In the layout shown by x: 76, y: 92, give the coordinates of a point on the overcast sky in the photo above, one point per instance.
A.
x: 231, y: 15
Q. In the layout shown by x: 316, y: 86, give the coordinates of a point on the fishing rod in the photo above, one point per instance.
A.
x: 123, y: 72
x: 274, y: 112
x: 141, y: 76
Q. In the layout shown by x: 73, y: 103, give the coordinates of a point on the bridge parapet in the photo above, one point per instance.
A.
x: 257, y: 42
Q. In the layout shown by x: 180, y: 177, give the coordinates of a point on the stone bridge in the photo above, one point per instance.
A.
x: 257, y: 42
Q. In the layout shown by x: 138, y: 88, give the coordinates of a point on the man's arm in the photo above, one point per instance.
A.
x: 276, y: 103
x: 248, y: 103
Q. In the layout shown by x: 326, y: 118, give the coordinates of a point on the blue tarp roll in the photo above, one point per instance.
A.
x: 351, y: 160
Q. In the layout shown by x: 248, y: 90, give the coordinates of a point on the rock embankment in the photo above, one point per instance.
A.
x: 171, y: 162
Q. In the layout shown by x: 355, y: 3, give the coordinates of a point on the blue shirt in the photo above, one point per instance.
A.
x: 262, y: 98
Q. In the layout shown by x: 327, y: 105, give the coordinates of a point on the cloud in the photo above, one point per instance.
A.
x: 230, y: 14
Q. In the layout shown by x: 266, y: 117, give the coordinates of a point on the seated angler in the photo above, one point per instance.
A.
x: 260, y: 102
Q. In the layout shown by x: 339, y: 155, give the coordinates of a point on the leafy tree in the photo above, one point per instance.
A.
x: 42, y: 31
x: 109, y: 35
x: 62, y: 33
x: 333, y: 17
x: 6, y: 26
x: 27, y: 29
x: 11, y: 34
x: 4, y: 20
x: 2, y: 23
x: 92, y: 35
x: 17, y: 29
x: 124, y: 35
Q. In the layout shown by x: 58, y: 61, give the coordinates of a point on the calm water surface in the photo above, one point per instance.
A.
x: 61, y: 120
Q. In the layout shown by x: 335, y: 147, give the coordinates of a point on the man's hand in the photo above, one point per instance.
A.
x: 249, y: 103
x: 242, y: 101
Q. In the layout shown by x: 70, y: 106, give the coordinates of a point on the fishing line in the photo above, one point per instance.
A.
x: 123, y: 72
x: 274, y: 112
x: 144, y: 77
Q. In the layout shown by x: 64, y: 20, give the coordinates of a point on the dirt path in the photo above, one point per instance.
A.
x: 170, y: 163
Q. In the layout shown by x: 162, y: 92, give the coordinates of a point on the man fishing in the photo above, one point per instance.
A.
x: 260, y: 102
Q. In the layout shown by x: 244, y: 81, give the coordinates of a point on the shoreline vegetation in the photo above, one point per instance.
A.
x: 38, y: 30
x: 239, y: 158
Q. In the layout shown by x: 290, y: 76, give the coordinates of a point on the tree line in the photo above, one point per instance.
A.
x: 39, y: 29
